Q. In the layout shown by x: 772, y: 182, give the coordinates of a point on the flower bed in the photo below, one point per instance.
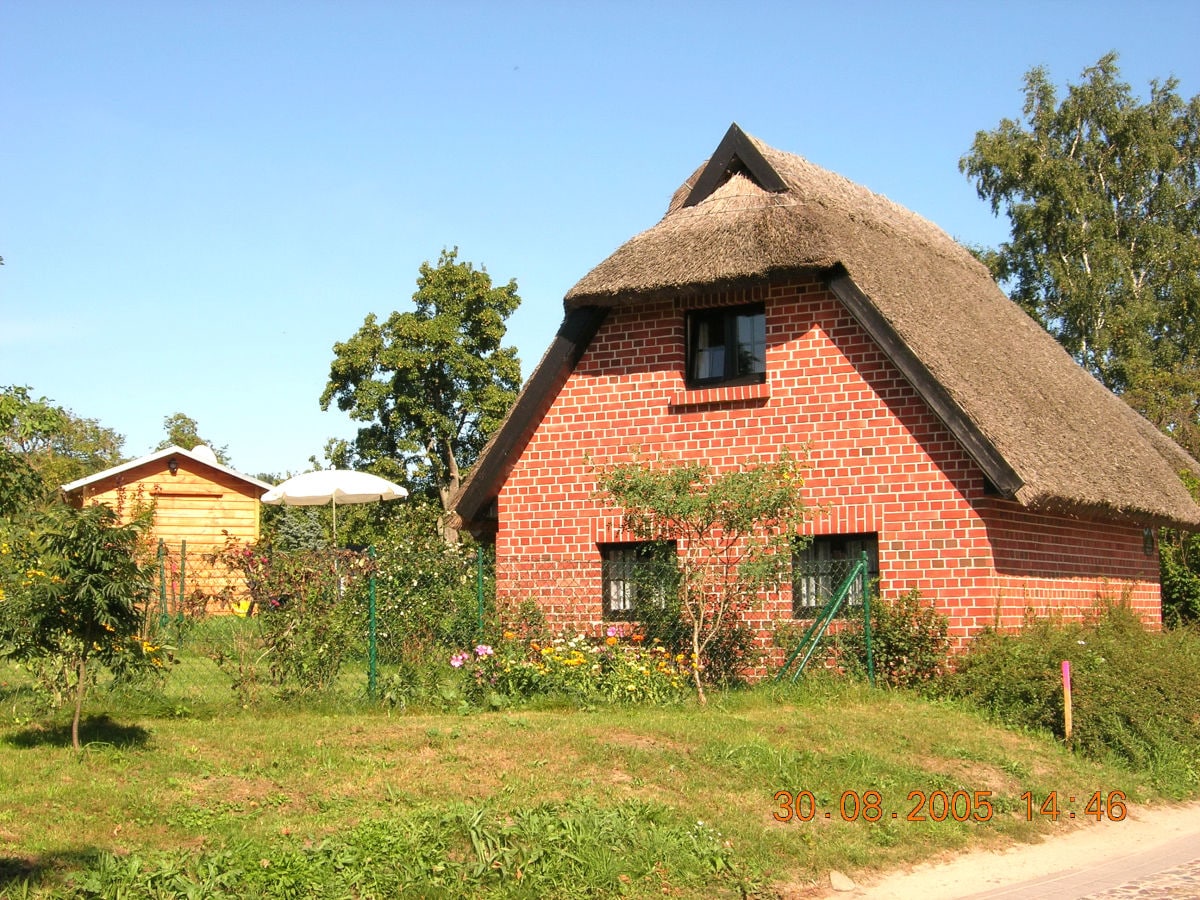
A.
x: 620, y: 667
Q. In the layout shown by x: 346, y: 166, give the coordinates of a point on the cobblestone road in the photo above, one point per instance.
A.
x: 1180, y: 883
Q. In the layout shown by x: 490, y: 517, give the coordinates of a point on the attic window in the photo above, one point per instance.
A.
x: 726, y: 346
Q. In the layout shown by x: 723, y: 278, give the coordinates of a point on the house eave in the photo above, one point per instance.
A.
x: 166, y: 453
x: 985, y: 454
x: 475, y: 502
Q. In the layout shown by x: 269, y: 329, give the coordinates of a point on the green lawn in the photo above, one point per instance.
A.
x: 526, y: 802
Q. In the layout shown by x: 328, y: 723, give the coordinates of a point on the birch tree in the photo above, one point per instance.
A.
x: 1102, y: 190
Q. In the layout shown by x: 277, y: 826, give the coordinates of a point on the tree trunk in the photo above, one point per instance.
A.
x: 700, y: 695
x: 81, y: 671
x: 447, y: 523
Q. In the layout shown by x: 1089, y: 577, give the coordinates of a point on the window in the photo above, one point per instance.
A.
x: 635, y: 574
x: 726, y: 345
x: 820, y: 567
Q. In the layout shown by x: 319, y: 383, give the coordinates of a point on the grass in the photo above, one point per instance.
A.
x: 534, y: 802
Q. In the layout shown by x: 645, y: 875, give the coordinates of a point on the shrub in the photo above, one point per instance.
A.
x: 1136, y: 693
x: 909, y: 642
x: 734, y: 530
x: 428, y: 589
x: 83, y: 604
x: 309, y: 609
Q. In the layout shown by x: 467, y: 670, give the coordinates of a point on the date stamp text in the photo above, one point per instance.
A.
x: 938, y: 806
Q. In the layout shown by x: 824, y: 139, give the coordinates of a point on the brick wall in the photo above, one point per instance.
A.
x: 880, y: 462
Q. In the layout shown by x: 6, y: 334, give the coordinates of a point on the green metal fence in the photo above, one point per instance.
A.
x: 367, y: 625
x: 823, y: 590
x: 230, y: 642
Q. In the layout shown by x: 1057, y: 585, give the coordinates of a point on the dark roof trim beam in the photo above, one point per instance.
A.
x: 995, y: 468
x: 497, y: 459
x: 735, y: 153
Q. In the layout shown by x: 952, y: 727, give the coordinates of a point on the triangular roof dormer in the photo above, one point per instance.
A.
x: 735, y: 154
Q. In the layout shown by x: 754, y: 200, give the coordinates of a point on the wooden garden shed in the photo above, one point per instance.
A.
x: 197, y: 503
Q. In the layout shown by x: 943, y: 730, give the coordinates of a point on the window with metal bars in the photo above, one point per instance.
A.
x: 634, y: 574
x: 821, y: 565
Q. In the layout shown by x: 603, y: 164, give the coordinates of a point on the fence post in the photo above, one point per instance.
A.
x: 163, y: 616
x: 867, y: 617
x: 372, y: 655
x: 479, y: 590
x: 866, y: 595
x: 182, y: 580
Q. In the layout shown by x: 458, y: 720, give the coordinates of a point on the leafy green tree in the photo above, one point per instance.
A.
x: 83, y: 447
x: 1102, y: 190
x: 293, y: 527
x: 83, y: 602
x: 734, y: 532
x: 43, y: 446
x: 434, y: 383
x: 183, y: 431
x: 21, y: 419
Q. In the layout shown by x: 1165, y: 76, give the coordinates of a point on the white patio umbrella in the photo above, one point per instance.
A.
x: 333, y: 486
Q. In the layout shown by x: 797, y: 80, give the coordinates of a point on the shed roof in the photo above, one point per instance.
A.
x: 1043, y: 429
x: 164, y: 454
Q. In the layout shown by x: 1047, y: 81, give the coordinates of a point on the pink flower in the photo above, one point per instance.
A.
x: 483, y: 650
x: 458, y: 659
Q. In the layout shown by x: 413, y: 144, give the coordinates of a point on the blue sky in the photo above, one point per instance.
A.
x: 200, y: 198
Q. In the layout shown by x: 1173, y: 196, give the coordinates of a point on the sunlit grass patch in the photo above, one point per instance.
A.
x: 313, y: 790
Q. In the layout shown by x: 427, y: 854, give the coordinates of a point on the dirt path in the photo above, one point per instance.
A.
x: 1159, y: 847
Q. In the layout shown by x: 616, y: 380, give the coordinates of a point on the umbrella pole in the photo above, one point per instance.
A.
x: 337, y: 578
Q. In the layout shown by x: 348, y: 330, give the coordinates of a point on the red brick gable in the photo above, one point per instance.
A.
x: 880, y: 461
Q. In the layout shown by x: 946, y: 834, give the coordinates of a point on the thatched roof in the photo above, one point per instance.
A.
x: 1043, y: 430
